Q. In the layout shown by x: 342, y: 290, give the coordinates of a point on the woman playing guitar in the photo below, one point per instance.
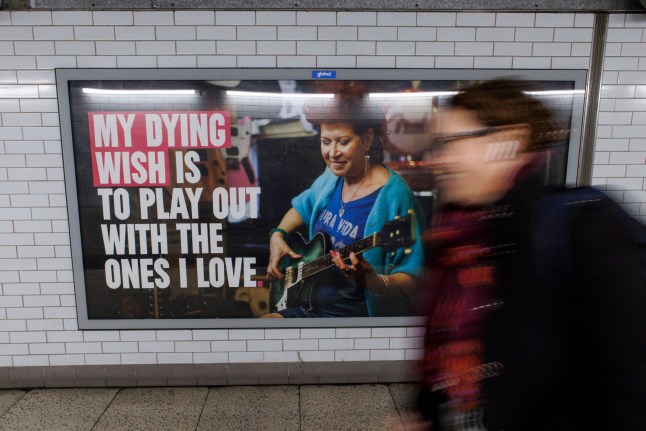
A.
x: 353, y: 198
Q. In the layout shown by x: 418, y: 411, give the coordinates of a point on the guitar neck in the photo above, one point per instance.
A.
x: 325, y: 262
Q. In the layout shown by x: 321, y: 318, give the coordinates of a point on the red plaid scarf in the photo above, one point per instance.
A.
x: 461, y: 280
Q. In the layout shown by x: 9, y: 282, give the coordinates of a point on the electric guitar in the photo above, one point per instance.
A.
x: 395, y: 234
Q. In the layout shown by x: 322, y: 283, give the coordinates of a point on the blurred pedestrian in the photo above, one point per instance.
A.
x: 537, y: 312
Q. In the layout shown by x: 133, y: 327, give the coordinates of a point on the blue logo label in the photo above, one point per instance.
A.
x: 324, y: 74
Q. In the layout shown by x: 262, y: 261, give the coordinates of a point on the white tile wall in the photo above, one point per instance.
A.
x: 437, y: 19
x: 621, y: 114
x: 377, y: 33
x: 37, y: 303
x: 356, y: 18
x: 121, y: 18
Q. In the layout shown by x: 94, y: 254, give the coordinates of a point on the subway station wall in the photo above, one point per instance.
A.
x: 38, y: 325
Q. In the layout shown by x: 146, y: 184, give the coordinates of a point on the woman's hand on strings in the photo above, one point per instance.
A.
x: 357, y: 266
x: 278, y: 248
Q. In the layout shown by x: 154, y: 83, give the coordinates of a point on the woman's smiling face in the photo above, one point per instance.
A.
x: 474, y: 164
x: 343, y: 150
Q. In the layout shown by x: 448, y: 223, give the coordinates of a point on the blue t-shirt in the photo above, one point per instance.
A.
x: 331, y: 293
x: 345, y: 227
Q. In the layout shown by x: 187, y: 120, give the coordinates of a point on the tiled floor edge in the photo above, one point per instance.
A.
x: 273, y: 373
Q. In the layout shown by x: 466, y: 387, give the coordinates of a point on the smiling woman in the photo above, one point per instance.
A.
x: 481, y: 143
x: 353, y: 198
x: 476, y: 164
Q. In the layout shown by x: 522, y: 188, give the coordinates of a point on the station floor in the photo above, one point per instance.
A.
x: 231, y: 408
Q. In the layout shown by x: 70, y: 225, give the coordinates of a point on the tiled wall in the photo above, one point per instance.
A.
x: 620, y: 157
x: 37, y: 304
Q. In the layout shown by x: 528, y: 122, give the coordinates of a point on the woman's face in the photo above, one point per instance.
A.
x: 473, y: 164
x: 343, y: 150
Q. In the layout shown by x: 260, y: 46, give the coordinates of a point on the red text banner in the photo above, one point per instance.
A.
x: 130, y: 148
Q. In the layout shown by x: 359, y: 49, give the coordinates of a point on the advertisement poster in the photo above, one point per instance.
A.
x: 178, y: 184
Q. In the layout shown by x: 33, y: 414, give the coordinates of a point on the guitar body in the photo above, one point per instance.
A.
x: 290, y: 290
x: 294, y: 288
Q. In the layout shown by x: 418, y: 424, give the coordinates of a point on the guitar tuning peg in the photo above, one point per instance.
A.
x: 392, y: 254
x: 411, y: 212
x: 408, y: 251
x: 396, y: 217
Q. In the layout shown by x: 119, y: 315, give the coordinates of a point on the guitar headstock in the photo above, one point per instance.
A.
x: 397, y: 233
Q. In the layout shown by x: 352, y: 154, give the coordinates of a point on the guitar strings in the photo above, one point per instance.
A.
x: 323, y: 262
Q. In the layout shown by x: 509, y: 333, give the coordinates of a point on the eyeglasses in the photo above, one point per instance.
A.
x: 439, y: 142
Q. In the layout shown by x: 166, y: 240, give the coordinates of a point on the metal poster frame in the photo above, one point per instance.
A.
x: 68, y: 79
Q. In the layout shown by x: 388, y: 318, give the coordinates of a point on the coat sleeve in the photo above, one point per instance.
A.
x: 396, y: 199
x: 610, y: 298
x: 305, y: 202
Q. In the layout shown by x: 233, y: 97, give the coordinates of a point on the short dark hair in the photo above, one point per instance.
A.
x: 505, y: 102
x: 354, y: 113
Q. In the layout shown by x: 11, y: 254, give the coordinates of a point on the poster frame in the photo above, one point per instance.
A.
x: 65, y: 76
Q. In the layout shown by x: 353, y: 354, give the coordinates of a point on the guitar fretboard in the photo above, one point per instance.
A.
x: 325, y: 262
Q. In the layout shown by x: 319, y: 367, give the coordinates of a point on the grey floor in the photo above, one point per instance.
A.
x: 266, y: 408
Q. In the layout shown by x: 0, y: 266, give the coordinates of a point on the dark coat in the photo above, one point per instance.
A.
x: 565, y: 340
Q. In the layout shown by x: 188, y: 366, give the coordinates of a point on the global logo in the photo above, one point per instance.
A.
x: 324, y: 74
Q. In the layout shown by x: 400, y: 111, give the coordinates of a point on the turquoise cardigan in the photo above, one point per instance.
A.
x: 394, y: 199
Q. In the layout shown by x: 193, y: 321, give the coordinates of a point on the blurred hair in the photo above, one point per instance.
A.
x: 504, y: 102
x: 360, y: 118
